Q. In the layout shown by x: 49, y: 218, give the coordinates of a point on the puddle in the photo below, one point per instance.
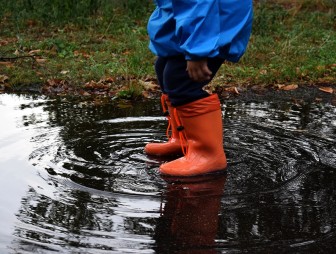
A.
x: 74, y: 179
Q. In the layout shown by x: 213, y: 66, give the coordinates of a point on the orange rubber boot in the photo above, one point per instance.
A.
x: 173, y: 145
x: 200, y: 122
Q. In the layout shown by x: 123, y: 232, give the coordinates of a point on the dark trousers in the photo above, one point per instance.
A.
x: 176, y: 83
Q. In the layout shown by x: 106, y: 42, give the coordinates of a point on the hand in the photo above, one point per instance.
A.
x: 199, y: 70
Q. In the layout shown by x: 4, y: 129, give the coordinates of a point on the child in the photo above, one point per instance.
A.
x: 192, y: 38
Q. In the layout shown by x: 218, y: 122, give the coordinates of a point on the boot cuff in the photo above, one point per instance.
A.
x: 200, y: 107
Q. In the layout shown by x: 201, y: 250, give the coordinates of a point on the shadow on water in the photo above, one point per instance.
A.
x: 84, y: 184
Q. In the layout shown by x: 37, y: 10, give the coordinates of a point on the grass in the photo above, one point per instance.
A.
x: 292, y: 42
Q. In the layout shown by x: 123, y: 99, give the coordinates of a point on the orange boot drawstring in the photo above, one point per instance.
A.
x: 166, y: 114
x: 183, y: 138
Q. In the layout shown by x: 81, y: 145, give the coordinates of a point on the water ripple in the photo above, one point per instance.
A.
x: 98, y: 192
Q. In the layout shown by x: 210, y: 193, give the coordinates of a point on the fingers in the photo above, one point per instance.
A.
x: 202, y: 73
x: 199, y: 71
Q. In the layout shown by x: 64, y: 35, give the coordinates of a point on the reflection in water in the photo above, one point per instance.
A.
x: 91, y: 188
x: 189, y: 221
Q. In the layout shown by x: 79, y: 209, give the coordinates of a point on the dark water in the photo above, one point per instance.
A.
x: 74, y: 179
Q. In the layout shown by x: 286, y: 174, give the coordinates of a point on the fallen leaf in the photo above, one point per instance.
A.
x: 289, y: 87
x: 146, y: 94
x: 107, y: 80
x: 150, y: 78
x: 232, y: 90
x: 42, y: 51
x: 64, y: 72
x: 7, y: 64
x: 84, y: 93
x: 81, y: 53
x: 41, y: 60
x: 279, y: 86
x: 148, y: 85
x: 54, y: 82
x: 263, y: 72
x: 3, y: 78
x: 35, y: 51
x: 326, y: 89
x: 3, y: 42
x: 56, y: 86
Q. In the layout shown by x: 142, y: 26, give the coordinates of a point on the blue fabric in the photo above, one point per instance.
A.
x: 201, y: 28
x: 174, y: 80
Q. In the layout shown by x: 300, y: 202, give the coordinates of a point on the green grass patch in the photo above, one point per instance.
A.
x: 292, y: 42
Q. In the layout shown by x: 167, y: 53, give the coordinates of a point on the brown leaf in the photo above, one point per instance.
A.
x: 7, y: 64
x: 263, y: 72
x: 147, y: 95
x: 34, y: 52
x: 107, y: 80
x: 326, y: 89
x: 3, y: 78
x: 93, y: 85
x: 232, y: 90
x: 81, y: 53
x: 126, y: 52
x: 54, y: 82
x: 41, y: 60
x: 3, y: 42
x: 289, y: 87
x: 236, y: 90
x: 279, y: 86
x: 148, y: 85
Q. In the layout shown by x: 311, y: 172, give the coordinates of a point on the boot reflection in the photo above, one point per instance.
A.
x: 189, y: 220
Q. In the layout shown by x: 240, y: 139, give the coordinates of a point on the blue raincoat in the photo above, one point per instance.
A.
x: 201, y: 28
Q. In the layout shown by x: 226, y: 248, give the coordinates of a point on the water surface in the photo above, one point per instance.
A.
x: 74, y: 179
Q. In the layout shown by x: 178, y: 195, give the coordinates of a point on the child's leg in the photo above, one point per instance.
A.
x: 173, y: 145
x: 160, y: 65
x: 177, y: 83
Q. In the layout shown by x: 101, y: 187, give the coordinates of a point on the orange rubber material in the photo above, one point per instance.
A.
x: 173, y: 145
x: 191, y: 215
x: 204, y: 134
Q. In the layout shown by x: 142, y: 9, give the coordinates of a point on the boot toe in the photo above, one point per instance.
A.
x: 184, y: 167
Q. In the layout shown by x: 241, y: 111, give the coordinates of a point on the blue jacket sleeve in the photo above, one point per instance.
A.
x: 197, y: 27
x: 211, y: 28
